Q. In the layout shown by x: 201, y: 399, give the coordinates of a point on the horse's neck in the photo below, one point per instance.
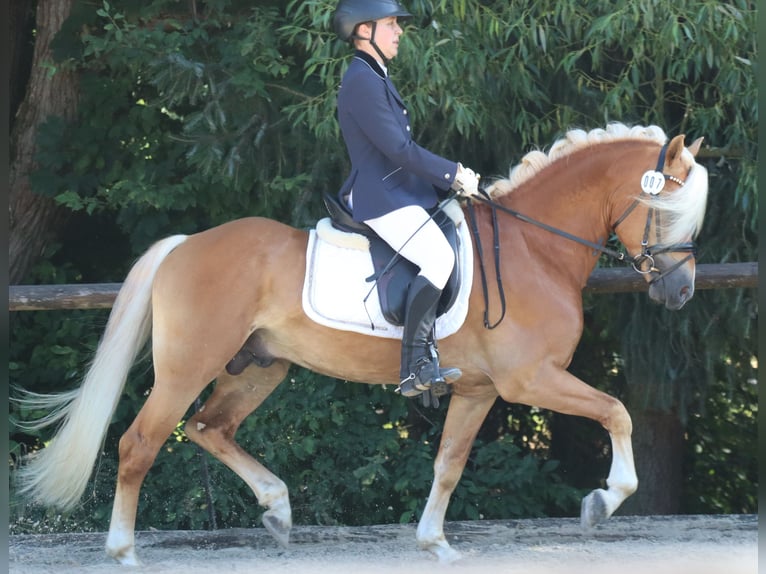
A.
x: 574, y: 197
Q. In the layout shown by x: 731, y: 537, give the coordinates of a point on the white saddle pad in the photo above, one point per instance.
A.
x: 334, y: 289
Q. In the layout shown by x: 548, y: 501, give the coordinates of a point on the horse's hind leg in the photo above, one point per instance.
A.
x: 139, y: 446
x: 560, y: 391
x: 214, y: 426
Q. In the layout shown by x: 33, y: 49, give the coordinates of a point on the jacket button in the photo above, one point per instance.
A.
x: 404, y: 112
x: 446, y: 176
x: 408, y: 128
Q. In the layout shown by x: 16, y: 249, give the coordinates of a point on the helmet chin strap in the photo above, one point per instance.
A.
x: 375, y: 46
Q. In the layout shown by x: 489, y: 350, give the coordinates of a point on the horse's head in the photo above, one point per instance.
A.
x: 660, y: 224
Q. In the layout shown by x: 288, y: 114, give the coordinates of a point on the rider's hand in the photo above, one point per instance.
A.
x: 466, y: 182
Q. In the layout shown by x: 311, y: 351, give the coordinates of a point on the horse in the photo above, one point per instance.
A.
x: 201, y: 297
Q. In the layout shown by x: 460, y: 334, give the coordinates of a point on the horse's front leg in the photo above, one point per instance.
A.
x: 464, y: 417
x: 622, y: 480
x: 560, y: 391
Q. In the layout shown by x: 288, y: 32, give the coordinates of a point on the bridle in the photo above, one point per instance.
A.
x: 644, y: 263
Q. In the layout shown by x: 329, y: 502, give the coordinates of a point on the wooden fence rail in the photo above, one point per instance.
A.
x: 613, y: 280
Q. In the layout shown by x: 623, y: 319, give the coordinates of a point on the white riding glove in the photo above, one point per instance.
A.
x: 466, y: 182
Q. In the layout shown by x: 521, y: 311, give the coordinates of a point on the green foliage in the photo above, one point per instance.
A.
x: 200, y: 138
x: 502, y: 482
x: 216, y: 105
x: 189, y: 118
x: 723, y: 451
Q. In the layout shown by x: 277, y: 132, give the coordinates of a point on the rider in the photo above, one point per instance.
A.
x: 393, y: 180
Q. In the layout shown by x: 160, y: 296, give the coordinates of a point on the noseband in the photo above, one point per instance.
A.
x: 642, y: 262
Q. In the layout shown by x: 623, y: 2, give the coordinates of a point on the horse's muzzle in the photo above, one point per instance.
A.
x: 675, y: 288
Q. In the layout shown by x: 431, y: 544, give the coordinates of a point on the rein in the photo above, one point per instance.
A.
x: 480, y: 252
x: 638, y: 262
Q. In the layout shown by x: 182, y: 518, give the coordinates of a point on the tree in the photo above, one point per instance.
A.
x: 20, y: 20
x: 51, y: 91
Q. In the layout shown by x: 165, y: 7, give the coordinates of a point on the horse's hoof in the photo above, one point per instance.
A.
x: 444, y: 553
x: 277, y: 528
x: 125, y: 557
x: 593, y: 509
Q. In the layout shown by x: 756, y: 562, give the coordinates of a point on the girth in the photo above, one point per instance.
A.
x: 393, y: 273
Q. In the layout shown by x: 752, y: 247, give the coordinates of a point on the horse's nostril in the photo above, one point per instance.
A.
x: 684, y: 291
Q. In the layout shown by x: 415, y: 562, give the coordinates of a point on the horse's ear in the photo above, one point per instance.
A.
x: 675, y: 149
x: 695, y: 147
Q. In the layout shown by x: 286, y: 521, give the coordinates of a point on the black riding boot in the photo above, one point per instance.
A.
x: 420, y: 365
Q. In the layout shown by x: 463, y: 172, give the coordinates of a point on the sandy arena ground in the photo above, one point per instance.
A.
x: 623, y: 545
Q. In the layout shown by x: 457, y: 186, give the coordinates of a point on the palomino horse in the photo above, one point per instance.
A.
x: 204, y: 295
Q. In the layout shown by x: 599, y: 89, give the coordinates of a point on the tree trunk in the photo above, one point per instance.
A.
x: 658, y: 439
x: 20, y: 23
x: 34, y: 219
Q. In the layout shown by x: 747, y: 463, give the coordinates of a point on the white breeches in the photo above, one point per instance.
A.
x: 422, y: 244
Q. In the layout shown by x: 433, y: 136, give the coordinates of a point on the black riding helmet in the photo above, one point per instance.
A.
x: 350, y: 13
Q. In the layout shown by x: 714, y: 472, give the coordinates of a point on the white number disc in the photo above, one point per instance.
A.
x: 652, y: 182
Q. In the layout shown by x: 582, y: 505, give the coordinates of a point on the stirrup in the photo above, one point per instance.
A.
x: 439, y: 385
x: 409, y: 388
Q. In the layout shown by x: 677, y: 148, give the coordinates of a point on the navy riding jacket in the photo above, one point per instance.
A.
x: 388, y: 169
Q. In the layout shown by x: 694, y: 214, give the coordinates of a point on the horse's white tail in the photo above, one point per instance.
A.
x: 58, y: 474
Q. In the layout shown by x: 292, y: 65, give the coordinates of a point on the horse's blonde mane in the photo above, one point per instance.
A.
x: 684, y: 209
x: 574, y: 140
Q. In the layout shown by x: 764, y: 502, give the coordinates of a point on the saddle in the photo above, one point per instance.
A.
x: 393, y: 273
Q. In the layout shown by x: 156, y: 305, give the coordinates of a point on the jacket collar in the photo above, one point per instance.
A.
x: 375, y: 67
x: 372, y: 62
